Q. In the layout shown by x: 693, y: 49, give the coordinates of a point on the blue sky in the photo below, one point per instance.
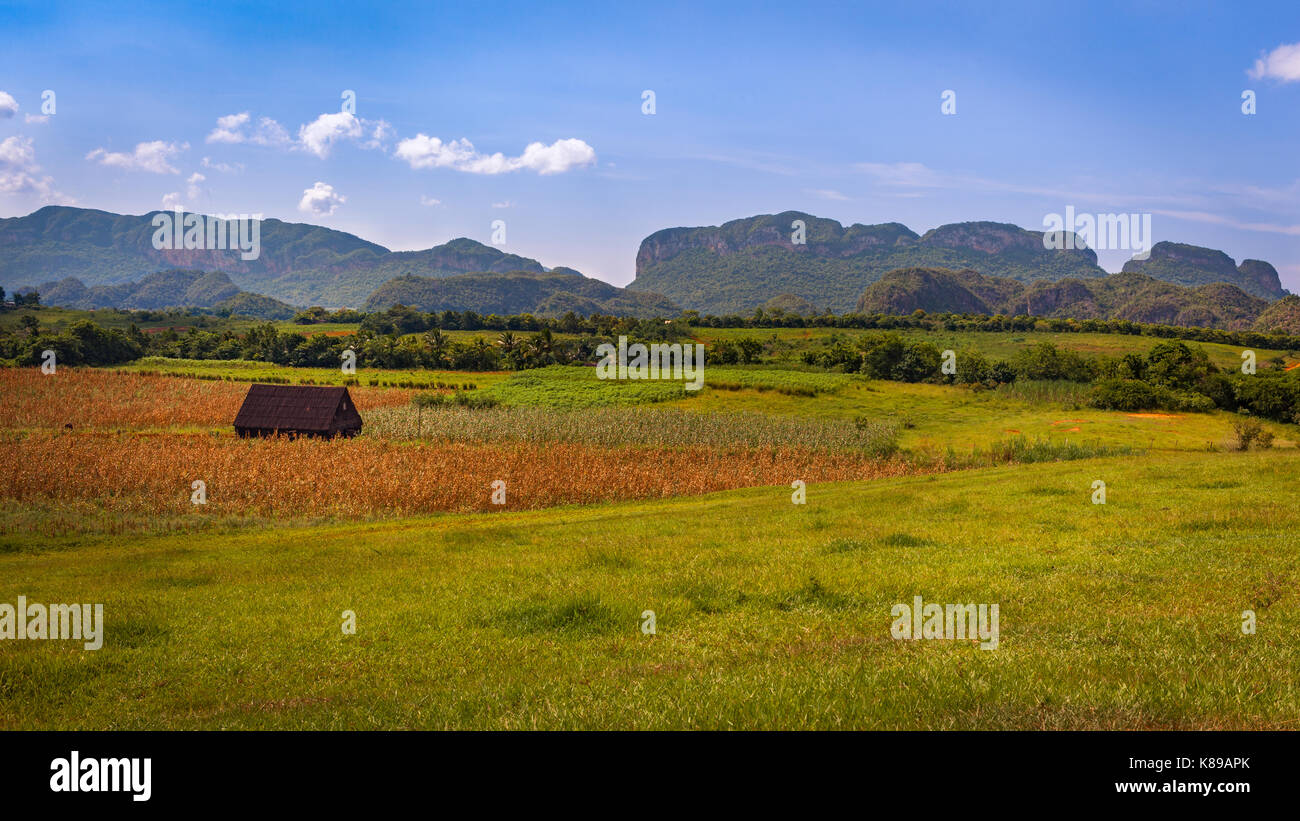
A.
x: 833, y: 109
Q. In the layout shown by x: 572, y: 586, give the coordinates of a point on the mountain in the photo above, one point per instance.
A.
x: 1282, y: 316
x: 544, y: 294
x: 298, y: 263
x: 739, y: 265
x: 1194, y: 265
x: 165, y: 289
x: 1131, y: 296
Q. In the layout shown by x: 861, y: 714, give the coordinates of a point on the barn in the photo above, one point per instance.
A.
x: 297, y: 410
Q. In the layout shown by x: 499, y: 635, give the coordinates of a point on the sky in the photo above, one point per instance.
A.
x: 462, y: 114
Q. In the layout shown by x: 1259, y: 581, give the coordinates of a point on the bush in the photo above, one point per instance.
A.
x: 1248, y: 431
x: 1123, y: 395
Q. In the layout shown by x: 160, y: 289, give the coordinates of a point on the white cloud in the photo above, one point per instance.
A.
x: 430, y: 201
x: 154, y: 157
x: 19, y: 173
x: 422, y: 151
x: 8, y: 105
x: 1282, y: 63
x: 502, y: 204
x: 172, y: 201
x: 192, y: 186
x: 380, y: 133
x: 232, y: 128
x: 224, y: 168
x: 319, y: 136
x: 320, y: 200
x: 39, y: 119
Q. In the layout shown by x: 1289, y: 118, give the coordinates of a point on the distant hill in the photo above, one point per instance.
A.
x: 790, y: 304
x: 299, y: 263
x: 212, y: 290
x: 1135, y: 297
x: 739, y: 265
x: 544, y: 294
x: 1282, y: 316
x: 1193, y: 265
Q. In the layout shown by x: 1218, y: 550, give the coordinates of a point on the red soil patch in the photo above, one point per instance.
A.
x: 1292, y: 366
x: 1071, y: 421
x: 1011, y: 430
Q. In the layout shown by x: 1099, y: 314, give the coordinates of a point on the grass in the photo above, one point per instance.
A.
x: 941, y: 416
x: 769, y: 615
x: 561, y: 386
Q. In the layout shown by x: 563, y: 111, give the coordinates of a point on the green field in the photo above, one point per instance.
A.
x: 787, y: 344
x: 769, y: 615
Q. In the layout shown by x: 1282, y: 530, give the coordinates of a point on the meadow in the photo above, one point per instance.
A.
x: 768, y: 615
x: 628, y: 497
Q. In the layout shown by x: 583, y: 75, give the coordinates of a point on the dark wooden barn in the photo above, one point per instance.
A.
x: 297, y: 410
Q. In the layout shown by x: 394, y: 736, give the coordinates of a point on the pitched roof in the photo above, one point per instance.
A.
x: 293, y: 407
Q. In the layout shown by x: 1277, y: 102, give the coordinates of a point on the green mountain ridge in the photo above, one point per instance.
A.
x: 1193, y: 265
x: 178, y: 288
x: 1131, y: 296
x: 544, y: 294
x: 299, y: 263
x: 739, y: 265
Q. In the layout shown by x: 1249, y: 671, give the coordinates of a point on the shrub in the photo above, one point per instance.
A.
x: 1246, y: 431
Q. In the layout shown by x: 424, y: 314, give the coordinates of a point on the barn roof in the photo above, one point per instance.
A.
x: 293, y: 407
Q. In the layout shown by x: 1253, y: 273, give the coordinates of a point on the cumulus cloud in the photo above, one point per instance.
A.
x: 380, y: 133
x: 172, y: 201
x: 1282, y: 63
x: 20, y: 174
x: 319, y: 136
x: 8, y: 105
x: 423, y: 151
x: 320, y: 200
x: 235, y: 129
x: 154, y: 157
x: 430, y: 201
x: 192, y: 189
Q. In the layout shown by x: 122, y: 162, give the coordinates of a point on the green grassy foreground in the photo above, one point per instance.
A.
x: 769, y: 615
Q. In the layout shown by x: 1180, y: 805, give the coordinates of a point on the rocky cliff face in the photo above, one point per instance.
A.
x: 1260, y: 274
x: 1192, y: 265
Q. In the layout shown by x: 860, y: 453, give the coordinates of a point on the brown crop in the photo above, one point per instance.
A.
x: 152, y: 473
x: 96, y: 399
